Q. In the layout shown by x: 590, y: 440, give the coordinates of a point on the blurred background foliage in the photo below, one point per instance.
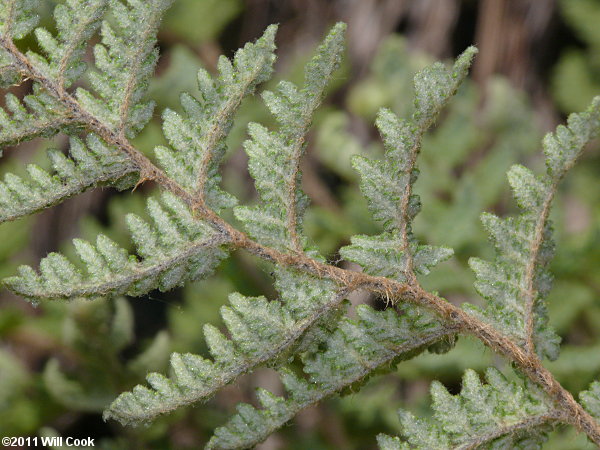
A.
x: 60, y: 364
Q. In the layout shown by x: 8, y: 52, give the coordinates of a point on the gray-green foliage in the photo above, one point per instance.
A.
x: 387, y: 184
x: 17, y: 18
x: 89, y: 165
x: 199, y: 136
x: 591, y: 399
x: 173, y: 249
x: 352, y: 352
x: 307, y: 334
x: 41, y: 114
x: 518, y: 281
x: 36, y: 115
x: 260, y: 331
x: 499, y: 414
x: 76, y: 21
x: 515, y: 287
x: 125, y: 60
x: 274, y: 157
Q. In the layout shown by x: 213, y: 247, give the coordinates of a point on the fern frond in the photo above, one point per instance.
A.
x: 353, y: 351
x: 125, y: 60
x: 274, y: 156
x: 499, y: 414
x: 39, y: 114
x: 175, y: 249
x: 199, y: 137
x: 518, y: 280
x: 17, y: 18
x: 260, y: 332
x: 388, y: 183
x: 42, y: 114
x: 88, y: 166
x: 76, y: 21
x: 590, y: 400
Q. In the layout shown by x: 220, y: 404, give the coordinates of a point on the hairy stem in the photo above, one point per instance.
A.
x: 148, y: 171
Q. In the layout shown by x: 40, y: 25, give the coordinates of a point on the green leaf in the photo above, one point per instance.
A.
x: 590, y: 400
x: 125, y: 60
x: 388, y: 184
x: 76, y: 21
x: 174, y: 249
x: 499, y: 414
x: 37, y: 115
x: 274, y: 156
x: 88, y: 166
x: 260, y: 332
x: 381, y: 255
x: 17, y: 18
x: 341, y: 358
x: 516, y: 284
x: 198, y: 136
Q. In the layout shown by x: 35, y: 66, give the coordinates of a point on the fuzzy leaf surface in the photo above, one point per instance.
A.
x: 76, y: 22
x: 125, y: 60
x: 173, y: 249
x: 352, y: 351
x: 198, y: 136
x: 274, y: 156
x: 387, y: 184
x: 88, y: 166
x: 499, y: 414
x: 517, y: 282
x: 260, y: 332
x: 37, y: 115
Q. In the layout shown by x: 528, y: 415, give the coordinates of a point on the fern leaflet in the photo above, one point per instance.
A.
x: 88, y: 166
x: 352, y: 352
x: 175, y: 249
x: 500, y: 414
x: 200, y: 135
x: 388, y: 183
x: 274, y: 157
x: 517, y: 282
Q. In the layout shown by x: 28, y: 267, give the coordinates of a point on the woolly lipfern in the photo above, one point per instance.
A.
x: 77, y: 21
x: 200, y: 135
x: 89, y: 165
x: 500, y: 414
x: 125, y: 61
x: 274, y: 157
x: 308, y: 333
x: 174, y: 249
x: 516, y: 284
x: 353, y: 350
x: 388, y: 183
